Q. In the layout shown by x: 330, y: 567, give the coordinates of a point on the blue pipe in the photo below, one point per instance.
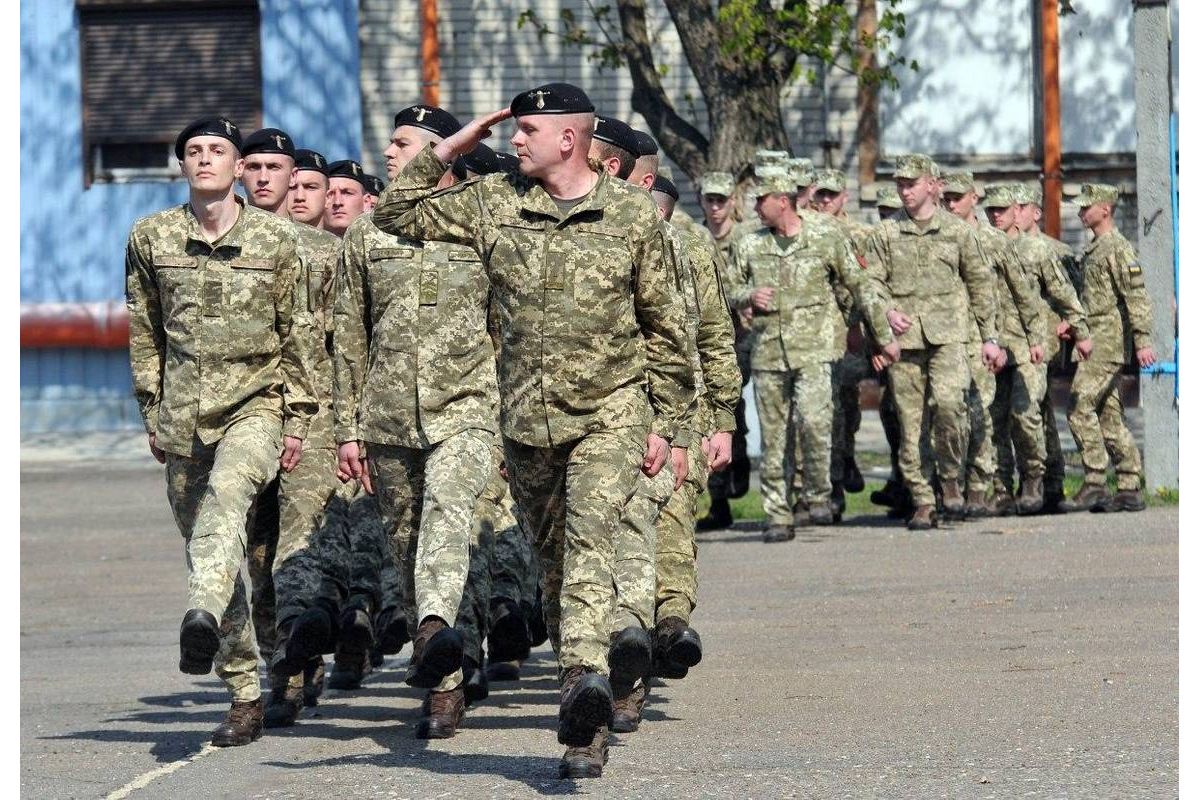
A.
x: 1172, y: 367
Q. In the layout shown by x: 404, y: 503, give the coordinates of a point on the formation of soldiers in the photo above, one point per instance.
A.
x: 473, y: 407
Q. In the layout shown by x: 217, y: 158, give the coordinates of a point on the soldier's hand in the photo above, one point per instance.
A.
x: 889, y: 355
x: 1146, y: 357
x: 1084, y: 348
x: 504, y: 470
x: 718, y: 449
x: 158, y: 454
x: 1063, y: 330
x: 657, y: 450
x: 469, y: 135
x: 994, y: 357
x: 1036, y: 354
x: 762, y: 298
x: 352, y: 464
x: 899, y: 321
x: 679, y: 465
x: 293, y: 448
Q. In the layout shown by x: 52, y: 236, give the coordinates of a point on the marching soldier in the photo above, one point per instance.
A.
x: 306, y: 196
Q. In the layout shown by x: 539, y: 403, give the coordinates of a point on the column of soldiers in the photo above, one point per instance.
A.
x: 477, y: 403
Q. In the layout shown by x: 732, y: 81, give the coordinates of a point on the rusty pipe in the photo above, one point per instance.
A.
x: 1051, y: 123
x: 99, y: 326
x: 431, y: 65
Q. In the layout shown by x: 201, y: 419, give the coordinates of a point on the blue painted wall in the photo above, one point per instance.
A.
x: 73, y: 240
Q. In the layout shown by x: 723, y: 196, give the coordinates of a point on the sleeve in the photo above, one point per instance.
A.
x: 973, y: 267
x: 714, y: 340
x: 1130, y: 282
x: 351, y: 337
x: 740, y: 278
x: 876, y: 260
x: 1061, y: 295
x: 1017, y: 283
x: 412, y: 206
x: 298, y: 339
x: 147, y: 340
x: 852, y: 286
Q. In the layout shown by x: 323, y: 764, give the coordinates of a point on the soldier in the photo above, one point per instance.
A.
x: 347, y: 197
x: 306, y: 196
x: 804, y: 176
x: 594, y: 375
x: 374, y: 188
x: 415, y: 382
x: 1118, y: 309
x: 887, y: 201
x: 918, y: 265
x: 233, y: 271
x: 802, y: 281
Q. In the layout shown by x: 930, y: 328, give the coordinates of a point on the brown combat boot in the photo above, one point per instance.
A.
x: 977, y: 504
x: 284, y: 706
x: 1123, y: 500
x: 588, y: 760
x: 923, y: 519
x: 243, y: 724
x: 314, y: 681
x: 952, y: 502
x: 627, y: 710
x: 437, y: 652
x: 442, y: 716
x: 1089, y: 496
x: 586, y: 705
x: 1031, y: 499
x: 779, y: 533
x: 1003, y: 504
x: 821, y: 514
x: 349, y: 669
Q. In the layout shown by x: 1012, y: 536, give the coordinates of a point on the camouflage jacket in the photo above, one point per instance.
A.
x: 1018, y: 306
x: 1066, y: 258
x: 1115, y: 296
x: 818, y: 283
x: 318, y: 251
x: 720, y: 383
x: 1050, y: 282
x: 217, y: 332
x: 413, y: 362
x: 922, y: 273
x: 724, y: 251
x: 857, y: 232
x: 593, y: 331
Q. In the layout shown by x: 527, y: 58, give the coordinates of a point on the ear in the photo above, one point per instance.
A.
x: 648, y: 181
x: 238, y: 167
x: 566, y: 140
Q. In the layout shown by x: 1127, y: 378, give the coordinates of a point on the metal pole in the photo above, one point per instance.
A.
x: 1156, y: 237
x: 1051, y: 122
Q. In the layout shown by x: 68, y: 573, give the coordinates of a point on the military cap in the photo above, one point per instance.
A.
x: 375, y: 185
x: 886, y: 196
x: 552, y: 98
x: 721, y: 183
x: 507, y: 162
x: 1028, y: 193
x: 268, y: 140
x: 616, y: 133
x: 646, y: 145
x: 1092, y: 193
x: 431, y: 118
x: 481, y: 161
x: 913, y: 165
x: 801, y: 170
x: 935, y: 170
x: 763, y: 158
x: 311, y: 160
x: 831, y: 180
x: 348, y: 169
x: 773, y: 180
x: 665, y: 186
x: 959, y: 182
x: 208, y: 126
x: 999, y: 195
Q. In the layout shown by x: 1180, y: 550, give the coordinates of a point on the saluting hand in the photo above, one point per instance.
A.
x: 469, y: 135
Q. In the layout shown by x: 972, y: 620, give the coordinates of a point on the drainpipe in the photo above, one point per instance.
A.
x: 1051, y: 122
x: 431, y: 68
x: 97, y: 326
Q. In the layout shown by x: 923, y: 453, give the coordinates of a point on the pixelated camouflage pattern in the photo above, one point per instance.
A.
x: 1017, y: 425
x: 474, y: 610
x: 1114, y: 294
x: 591, y: 323
x: 675, y: 553
x: 237, y: 307
x: 515, y: 572
x: 1098, y: 424
x: 633, y: 550
x: 980, y: 464
x: 370, y: 550
x: 1050, y: 282
x: 795, y: 417
x: 1018, y: 307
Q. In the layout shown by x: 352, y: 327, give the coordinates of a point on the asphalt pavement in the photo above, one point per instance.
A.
x: 1032, y: 657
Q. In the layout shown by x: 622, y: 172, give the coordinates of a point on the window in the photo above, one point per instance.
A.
x: 152, y: 66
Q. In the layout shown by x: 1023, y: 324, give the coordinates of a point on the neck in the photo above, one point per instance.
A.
x: 925, y: 211
x: 217, y: 212
x: 788, y: 225
x: 569, y: 181
x: 1103, y: 226
x: 722, y: 230
x: 280, y: 210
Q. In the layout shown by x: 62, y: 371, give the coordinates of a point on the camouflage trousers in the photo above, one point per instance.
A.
x: 474, y: 612
x: 211, y: 492
x: 1098, y: 424
x: 889, y: 419
x: 937, y: 374
x: 721, y: 484
x: 514, y: 569
x: 795, y: 415
x: 369, y: 560
x: 675, y: 557
x: 634, y: 548
x: 1056, y: 464
x: 570, y: 499
x: 427, y: 498
x: 847, y: 415
x: 1017, y: 424
x: 981, y: 447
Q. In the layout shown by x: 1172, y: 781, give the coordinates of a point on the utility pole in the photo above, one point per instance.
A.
x: 1156, y: 236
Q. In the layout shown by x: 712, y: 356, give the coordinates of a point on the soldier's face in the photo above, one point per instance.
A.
x: 267, y: 178
x: 306, y: 202
x: 369, y: 201
x: 959, y: 204
x: 1001, y: 217
x: 406, y: 142
x: 545, y: 141
x: 716, y: 208
x: 915, y: 192
x: 1093, y: 215
x: 211, y: 164
x: 770, y: 208
x: 1024, y: 218
x: 804, y: 196
x: 829, y: 202
x: 344, y: 203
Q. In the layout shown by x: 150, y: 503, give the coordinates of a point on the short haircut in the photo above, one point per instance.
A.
x: 606, y: 150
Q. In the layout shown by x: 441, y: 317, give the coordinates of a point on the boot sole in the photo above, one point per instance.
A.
x: 429, y: 730
x: 508, y: 640
x: 236, y: 741
x: 624, y: 724
x: 356, y: 637
x: 628, y: 660
x: 198, y: 646
x: 505, y: 674
x: 393, y: 637
x: 578, y: 722
x: 686, y: 652
x: 309, y: 635
x: 443, y: 655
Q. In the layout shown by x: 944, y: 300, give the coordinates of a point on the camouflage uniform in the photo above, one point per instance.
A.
x: 237, y: 307
x: 920, y: 270
x: 1118, y: 312
x: 415, y: 378
x: 490, y: 516
x: 593, y: 358
x: 817, y: 284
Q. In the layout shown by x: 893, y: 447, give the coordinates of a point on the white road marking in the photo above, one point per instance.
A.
x: 142, y: 781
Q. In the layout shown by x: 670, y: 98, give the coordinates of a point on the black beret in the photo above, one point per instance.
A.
x: 507, y: 162
x: 348, y: 169
x: 646, y: 146
x: 616, y: 133
x: 552, y: 98
x: 209, y: 126
x: 481, y: 161
x: 430, y: 118
x: 665, y: 186
x: 268, y: 140
x: 375, y: 185
x: 312, y: 160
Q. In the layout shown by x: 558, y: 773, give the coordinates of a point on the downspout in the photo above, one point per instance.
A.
x: 431, y: 67
x: 1051, y: 122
